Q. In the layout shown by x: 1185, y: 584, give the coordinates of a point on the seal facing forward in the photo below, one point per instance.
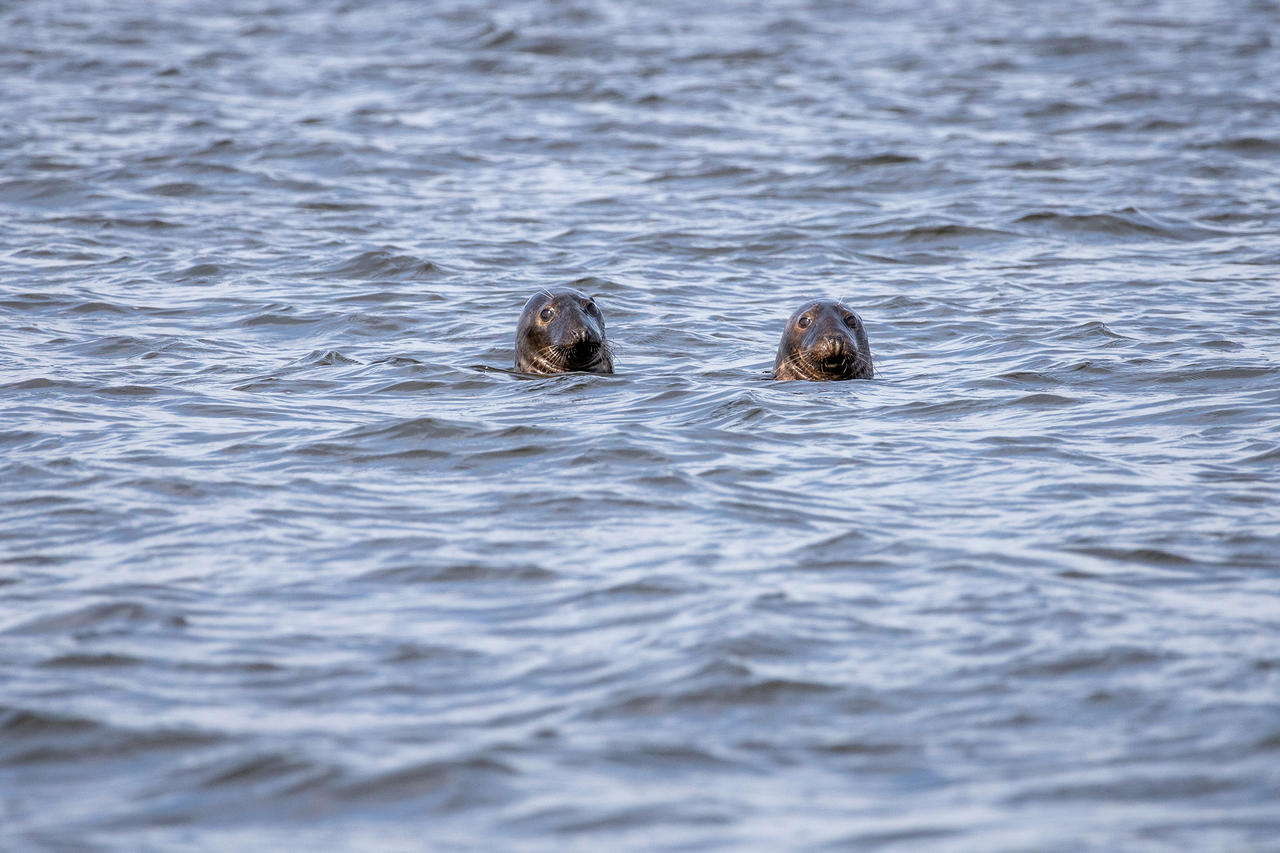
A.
x: 823, y: 340
x: 562, y: 331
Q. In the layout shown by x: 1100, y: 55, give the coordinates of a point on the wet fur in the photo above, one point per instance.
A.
x: 828, y: 349
x: 572, y: 341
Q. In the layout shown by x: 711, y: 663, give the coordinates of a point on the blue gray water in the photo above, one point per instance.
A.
x: 289, y: 561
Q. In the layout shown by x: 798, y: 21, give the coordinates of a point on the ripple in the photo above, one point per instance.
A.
x: 283, y: 538
x: 50, y: 192
x: 383, y: 264
x: 33, y: 739
x: 457, y: 573
x: 1122, y: 223
x: 98, y: 617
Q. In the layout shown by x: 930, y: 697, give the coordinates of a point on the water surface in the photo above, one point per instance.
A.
x: 289, y: 561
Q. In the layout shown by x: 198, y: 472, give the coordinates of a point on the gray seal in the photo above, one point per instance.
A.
x: 823, y: 340
x: 562, y: 331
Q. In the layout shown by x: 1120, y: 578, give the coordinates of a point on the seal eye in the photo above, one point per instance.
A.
x: 546, y: 315
x: 592, y: 309
x: 851, y: 321
x: 803, y: 322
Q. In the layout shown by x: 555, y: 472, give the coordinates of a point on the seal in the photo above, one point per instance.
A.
x: 562, y: 331
x: 823, y: 340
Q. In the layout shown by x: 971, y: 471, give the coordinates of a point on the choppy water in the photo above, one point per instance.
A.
x: 288, y: 564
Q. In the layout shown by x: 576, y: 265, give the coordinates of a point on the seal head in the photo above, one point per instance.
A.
x: 823, y: 340
x: 562, y: 331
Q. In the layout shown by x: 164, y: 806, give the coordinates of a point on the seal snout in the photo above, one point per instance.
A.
x: 580, y: 336
x: 833, y: 344
x: 580, y: 345
x: 582, y: 349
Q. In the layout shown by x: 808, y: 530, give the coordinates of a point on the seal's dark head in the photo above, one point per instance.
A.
x: 823, y: 340
x: 562, y: 331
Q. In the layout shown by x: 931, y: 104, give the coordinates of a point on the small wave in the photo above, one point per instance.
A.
x: 670, y: 758
x: 48, y: 192
x: 1268, y: 743
x: 1267, y: 456
x: 765, y: 693
x: 748, y: 55
x: 32, y: 301
x: 627, y: 820
x: 1163, y: 789
x: 458, y: 783
x: 950, y: 234
x: 595, y: 286
x: 91, y: 661
x: 1108, y: 660
x: 1143, y: 556
x: 176, y: 189
x: 491, y: 36
x: 1028, y: 377
x: 382, y: 264
x: 1128, y: 222
x: 861, y: 747
x: 712, y: 171
x: 1048, y: 164
x: 413, y: 652
x: 30, y: 737
x: 115, y: 345
x: 644, y: 589
x: 98, y: 308
x: 867, y: 161
x: 1194, y: 372
x: 131, y: 391
x: 556, y: 46
x: 43, y: 383
x: 1254, y: 146
x: 326, y: 358
x: 17, y: 723
x: 1078, y: 45
x: 458, y: 573
x: 906, y: 838
x: 100, y: 616
x: 1045, y: 400
x: 240, y: 772
x: 413, y: 386
x: 199, y: 271
x: 1090, y: 329
x: 416, y: 429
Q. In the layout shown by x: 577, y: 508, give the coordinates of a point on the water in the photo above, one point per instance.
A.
x: 291, y: 562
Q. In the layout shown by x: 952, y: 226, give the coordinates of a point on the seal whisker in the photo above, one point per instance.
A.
x: 799, y: 363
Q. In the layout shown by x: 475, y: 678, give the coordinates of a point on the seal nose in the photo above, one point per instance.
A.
x: 833, y: 343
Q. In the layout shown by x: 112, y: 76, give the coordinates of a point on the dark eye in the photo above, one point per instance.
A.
x: 592, y: 309
x: 851, y: 321
x: 803, y: 322
x: 546, y: 315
